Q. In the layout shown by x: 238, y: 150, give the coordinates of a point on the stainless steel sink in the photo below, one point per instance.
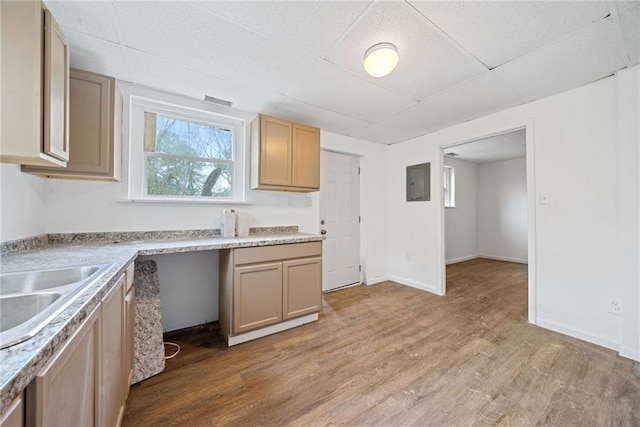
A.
x: 31, y: 299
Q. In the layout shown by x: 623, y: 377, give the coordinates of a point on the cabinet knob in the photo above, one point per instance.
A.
x: 323, y: 231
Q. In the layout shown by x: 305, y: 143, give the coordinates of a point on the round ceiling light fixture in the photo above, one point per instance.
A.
x: 380, y: 59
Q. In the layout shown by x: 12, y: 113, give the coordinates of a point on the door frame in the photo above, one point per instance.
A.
x: 362, y: 261
x: 528, y: 126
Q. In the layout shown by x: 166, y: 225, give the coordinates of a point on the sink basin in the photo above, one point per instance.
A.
x: 31, y: 299
x: 29, y: 281
x: 17, y: 309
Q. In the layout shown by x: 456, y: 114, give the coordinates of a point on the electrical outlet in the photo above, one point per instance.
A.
x: 614, y: 307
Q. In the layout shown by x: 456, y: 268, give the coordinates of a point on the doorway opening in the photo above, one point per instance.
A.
x: 487, y: 214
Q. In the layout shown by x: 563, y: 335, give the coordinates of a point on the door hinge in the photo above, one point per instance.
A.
x: 358, y: 170
x: 359, y: 220
x: 360, y: 268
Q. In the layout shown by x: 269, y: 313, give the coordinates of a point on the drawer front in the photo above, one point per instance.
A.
x: 276, y: 252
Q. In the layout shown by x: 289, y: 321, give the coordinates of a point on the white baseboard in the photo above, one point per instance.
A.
x: 414, y: 284
x: 376, y: 280
x: 577, y: 333
x: 259, y: 333
x: 504, y: 258
x: 461, y: 259
x: 630, y: 353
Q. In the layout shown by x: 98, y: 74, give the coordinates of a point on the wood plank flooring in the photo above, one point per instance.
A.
x: 392, y: 355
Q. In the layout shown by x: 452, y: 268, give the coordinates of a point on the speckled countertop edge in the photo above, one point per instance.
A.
x: 20, y: 363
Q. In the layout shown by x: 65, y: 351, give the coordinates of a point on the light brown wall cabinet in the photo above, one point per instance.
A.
x: 35, y: 86
x: 86, y: 382
x: 285, y: 155
x: 95, y: 130
x: 263, y: 286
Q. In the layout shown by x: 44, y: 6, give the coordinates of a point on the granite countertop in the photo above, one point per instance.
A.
x: 20, y: 363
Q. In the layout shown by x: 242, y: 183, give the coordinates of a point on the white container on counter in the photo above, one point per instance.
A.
x: 242, y: 225
x: 228, y: 225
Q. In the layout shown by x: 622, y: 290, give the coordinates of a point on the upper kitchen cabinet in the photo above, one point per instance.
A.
x: 35, y: 86
x: 285, y: 156
x: 95, y: 132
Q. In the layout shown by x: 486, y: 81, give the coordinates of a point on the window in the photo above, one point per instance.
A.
x: 449, y: 187
x: 179, y: 153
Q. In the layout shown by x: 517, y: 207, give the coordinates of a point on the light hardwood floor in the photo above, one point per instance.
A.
x: 392, y: 355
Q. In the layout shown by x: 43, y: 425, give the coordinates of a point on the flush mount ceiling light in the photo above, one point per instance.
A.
x: 380, y: 59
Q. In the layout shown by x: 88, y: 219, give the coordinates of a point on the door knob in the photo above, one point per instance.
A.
x: 323, y: 231
x: 322, y: 222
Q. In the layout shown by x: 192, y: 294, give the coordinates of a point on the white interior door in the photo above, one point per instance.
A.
x: 340, y: 219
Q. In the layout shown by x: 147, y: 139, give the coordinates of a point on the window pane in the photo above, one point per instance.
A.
x: 177, y: 177
x: 174, y: 136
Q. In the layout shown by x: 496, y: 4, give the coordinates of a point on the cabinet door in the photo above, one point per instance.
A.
x: 64, y: 392
x: 306, y: 157
x: 56, y: 90
x: 275, y: 151
x: 13, y: 415
x: 257, y: 296
x: 302, y: 287
x: 130, y: 314
x: 110, y: 372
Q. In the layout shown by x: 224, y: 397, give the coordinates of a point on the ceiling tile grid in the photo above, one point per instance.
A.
x: 302, y: 60
x: 428, y: 63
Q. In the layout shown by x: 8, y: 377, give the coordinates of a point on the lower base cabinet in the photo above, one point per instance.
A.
x: 267, y: 285
x: 64, y: 391
x: 86, y: 382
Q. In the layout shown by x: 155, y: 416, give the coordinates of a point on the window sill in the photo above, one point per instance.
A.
x: 183, y: 202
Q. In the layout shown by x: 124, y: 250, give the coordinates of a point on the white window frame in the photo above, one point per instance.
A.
x: 449, y: 184
x: 186, y: 111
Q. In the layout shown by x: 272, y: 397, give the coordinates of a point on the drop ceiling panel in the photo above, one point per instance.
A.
x: 90, y: 17
x: 316, y: 116
x: 518, y: 136
x: 309, y: 26
x: 385, y: 134
x: 584, y: 57
x: 97, y: 55
x: 428, y: 63
x: 629, y: 14
x: 183, y: 33
x: 497, y: 32
x: 475, y: 98
x: 335, y: 90
x: 175, y: 78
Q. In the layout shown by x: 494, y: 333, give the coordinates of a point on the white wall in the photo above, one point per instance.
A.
x: 22, y: 205
x: 629, y: 210
x: 188, y: 288
x: 575, y: 144
x: 461, y: 222
x: 502, y: 210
